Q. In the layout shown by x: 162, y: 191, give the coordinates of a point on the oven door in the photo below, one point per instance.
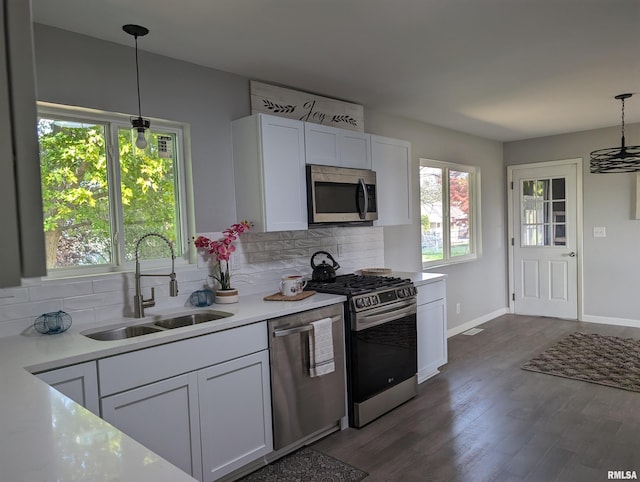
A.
x: 383, y: 348
x: 341, y: 195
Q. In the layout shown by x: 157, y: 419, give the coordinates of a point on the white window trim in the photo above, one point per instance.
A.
x: 184, y: 174
x: 474, y: 215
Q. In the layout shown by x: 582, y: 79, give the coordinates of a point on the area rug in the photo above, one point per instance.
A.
x: 306, y: 465
x: 606, y: 360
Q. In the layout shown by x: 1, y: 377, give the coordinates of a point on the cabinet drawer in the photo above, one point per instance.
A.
x: 431, y: 292
x: 134, y: 369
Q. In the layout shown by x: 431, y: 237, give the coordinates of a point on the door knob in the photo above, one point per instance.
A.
x: 572, y: 254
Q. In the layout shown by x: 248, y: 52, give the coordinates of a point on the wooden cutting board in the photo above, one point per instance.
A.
x: 281, y: 297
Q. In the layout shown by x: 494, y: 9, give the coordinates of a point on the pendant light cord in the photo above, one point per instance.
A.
x: 138, y: 79
x: 622, y: 122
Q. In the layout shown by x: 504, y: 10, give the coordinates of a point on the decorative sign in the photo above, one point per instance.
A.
x: 294, y: 104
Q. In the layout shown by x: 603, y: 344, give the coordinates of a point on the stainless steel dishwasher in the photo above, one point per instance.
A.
x: 304, y: 405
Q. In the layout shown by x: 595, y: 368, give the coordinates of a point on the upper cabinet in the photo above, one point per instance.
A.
x: 391, y: 159
x: 331, y: 146
x: 22, y: 236
x: 270, y: 176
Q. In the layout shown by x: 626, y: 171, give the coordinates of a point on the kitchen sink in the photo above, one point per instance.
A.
x: 192, y: 319
x: 124, y: 332
x: 178, y: 321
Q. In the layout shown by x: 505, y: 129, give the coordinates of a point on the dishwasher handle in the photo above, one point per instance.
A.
x: 301, y: 329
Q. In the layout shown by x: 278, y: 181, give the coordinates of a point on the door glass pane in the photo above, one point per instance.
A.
x: 75, y: 193
x: 148, y: 183
x: 431, y: 213
x: 543, y: 208
x: 459, y: 212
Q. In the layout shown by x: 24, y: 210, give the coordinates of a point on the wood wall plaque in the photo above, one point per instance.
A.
x: 295, y: 104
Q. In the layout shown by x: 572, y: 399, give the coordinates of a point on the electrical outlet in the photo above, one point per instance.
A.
x: 600, y: 232
x: 458, y: 308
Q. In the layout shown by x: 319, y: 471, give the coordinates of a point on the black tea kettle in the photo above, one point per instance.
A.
x: 324, y: 272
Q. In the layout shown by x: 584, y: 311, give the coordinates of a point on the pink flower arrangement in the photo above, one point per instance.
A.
x: 222, y: 249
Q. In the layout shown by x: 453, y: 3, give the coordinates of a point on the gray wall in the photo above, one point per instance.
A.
x: 610, y: 273
x: 83, y: 71
x: 479, y: 286
x: 79, y: 70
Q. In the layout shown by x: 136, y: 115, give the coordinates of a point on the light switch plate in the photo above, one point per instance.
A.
x: 600, y: 232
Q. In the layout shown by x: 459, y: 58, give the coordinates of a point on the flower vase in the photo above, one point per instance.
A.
x: 226, y: 296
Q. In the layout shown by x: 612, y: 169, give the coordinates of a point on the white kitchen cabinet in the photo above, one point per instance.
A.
x: 78, y: 382
x: 162, y: 416
x: 203, y: 403
x: 332, y: 146
x: 22, y: 236
x: 391, y: 159
x: 235, y: 415
x: 270, y: 175
x: 432, y: 329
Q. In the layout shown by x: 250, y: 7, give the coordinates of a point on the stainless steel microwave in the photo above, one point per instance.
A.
x: 341, y: 195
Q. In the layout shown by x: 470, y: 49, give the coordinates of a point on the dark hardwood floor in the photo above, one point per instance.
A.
x: 484, y: 419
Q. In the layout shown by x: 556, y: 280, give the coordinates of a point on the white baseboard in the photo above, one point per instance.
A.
x: 607, y: 320
x: 477, y: 321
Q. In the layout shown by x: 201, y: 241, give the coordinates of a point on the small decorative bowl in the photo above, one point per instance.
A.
x: 201, y: 298
x: 52, y: 323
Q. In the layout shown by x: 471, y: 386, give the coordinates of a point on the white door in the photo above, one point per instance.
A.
x: 545, y: 240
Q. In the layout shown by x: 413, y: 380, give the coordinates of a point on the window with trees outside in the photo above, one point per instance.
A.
x: 449, y: 212
x: 101, y: 193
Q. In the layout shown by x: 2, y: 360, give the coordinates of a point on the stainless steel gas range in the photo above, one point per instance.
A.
x: 381, y: 342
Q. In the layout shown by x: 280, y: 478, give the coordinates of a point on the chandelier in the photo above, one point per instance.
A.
x: 617, y: 159
x: 140, y: 124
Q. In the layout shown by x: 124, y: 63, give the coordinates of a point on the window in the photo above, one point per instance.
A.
x: 543, y: 212
x: 449, y: 212
x: 101, y: 193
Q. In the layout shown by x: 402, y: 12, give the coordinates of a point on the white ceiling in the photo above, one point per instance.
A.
x: 500, y: 69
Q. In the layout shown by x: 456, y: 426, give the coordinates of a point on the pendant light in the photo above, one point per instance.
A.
x: 139, y: 123
x: 617, y: 159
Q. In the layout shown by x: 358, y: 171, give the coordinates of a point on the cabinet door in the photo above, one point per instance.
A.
x: 9, y: 237
x: 26, y: 149
x: 321, y: 144
x: 78, y: 382
x: 391, y: 159
x: 355, y: 149
x: 163, y: 417
x: 432, y: 338
x: 235, y: 414
x: 285, y: 187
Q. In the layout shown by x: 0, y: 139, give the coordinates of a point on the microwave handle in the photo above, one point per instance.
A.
x: 363, y: 186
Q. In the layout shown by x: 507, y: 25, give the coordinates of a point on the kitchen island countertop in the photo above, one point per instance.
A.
x: 48, y: 437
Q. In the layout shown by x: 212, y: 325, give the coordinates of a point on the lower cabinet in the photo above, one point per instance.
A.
x: 432, y: 329
x: 209, y: 421
x: 235, y: 414
x: 78, y: 382
x: 163, y: 417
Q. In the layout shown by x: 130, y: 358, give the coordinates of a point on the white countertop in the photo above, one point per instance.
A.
x: 419, y: 279
x: 47, y: 437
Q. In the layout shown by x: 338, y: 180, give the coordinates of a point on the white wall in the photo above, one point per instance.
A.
x: 79, y: 70
x: 611, y: 264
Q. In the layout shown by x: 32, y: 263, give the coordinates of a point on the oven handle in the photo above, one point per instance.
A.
x: 301, y: 329
x: 363, y: 322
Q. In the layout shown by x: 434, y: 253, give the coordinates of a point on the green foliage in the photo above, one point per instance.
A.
x: 426, y: 224
x: 77, y: 184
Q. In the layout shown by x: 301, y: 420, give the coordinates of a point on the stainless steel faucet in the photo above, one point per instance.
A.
x: 138, y: 300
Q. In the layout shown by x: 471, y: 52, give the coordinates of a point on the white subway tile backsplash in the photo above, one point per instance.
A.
x: 260, y: 260
x: 51, y: 291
